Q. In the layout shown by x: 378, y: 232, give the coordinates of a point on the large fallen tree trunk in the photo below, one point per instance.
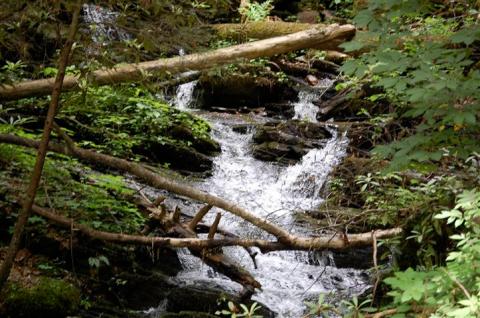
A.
x: 315, y: 37
x: 333, y: 242
x: 260, y: 30
x: 285, y: 239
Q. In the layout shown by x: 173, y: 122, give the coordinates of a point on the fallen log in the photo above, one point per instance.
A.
x: 285, y: 240
x: 258, y: 29
x: 323, y: 36
x: 216, y: 260
x: 334, y: 242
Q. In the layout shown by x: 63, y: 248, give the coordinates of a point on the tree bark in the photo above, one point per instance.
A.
x: 27, y: 202
x: 285, y: 239
x: 259, y: 30
x: 314, y: 37
x: 334, y: 242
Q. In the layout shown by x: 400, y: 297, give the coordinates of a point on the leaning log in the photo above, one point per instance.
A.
x: 334, y: 242
x: 285, y: 240
x: 315, y: 37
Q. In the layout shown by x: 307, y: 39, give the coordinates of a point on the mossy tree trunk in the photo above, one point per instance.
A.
x: 323, y: 37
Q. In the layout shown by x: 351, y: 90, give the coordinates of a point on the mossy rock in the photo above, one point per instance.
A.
x: 49, y: 298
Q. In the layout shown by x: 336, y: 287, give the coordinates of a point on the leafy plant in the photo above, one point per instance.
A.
x: 255, y: 11
x: 426, y: 66
x: 357, y: 309
x: 452, y: 290
x: 320, y: 308
x: 234, y: 312
x: 98, y: 261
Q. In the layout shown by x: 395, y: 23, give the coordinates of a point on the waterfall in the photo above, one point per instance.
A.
x: 102, y: 22
x: 183, y: 99
x: 305, y: 108
x: 301, y: 184
x: 274, y: 192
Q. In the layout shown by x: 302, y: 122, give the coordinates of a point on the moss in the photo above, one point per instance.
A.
x: 96, y: 199
x: 49, y: 298
x: 258, y: 29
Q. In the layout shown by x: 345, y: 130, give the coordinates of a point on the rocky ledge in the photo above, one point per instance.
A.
x: 287, y: 142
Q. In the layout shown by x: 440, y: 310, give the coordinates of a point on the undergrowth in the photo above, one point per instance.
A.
x: 96, y: 199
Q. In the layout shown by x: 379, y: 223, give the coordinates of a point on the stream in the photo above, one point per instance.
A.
x: 275, y: 192
x: 272, y: 191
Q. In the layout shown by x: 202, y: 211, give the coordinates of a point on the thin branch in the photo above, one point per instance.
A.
x: 31, y: 192
x: 214, y: 227
x: 199, y: 216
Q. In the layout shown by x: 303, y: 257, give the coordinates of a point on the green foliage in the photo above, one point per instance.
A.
x: 48, y: 298
x: 122, y: 119
x: 95, y: 199
x: 255, y: 11
x: 427, y: 67
x: 452, y: 290
x: 12, y: 72
x: 98, y: 261
x: 357, y: 309
x: 234, y: 312
x: 320, y: 308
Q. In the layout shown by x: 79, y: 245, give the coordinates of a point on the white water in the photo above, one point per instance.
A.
x: 273, y: 192
x: 102, y: 22
x: 305, y: 108
x: 184, y: 96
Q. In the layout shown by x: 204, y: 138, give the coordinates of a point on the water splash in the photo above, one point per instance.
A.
x: 184, y: 96
x: 305, y: 108
x: 273, y: 192
x: 301, y: 184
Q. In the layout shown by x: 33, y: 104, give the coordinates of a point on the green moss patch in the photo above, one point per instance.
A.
x: 48, y: 298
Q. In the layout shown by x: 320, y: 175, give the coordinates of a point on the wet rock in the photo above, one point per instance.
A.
x: 206, y: 299
x: 142, y: 291
x: 287, y: 142
x: 243, y: 128
x: 280, y: 110
x: 203, y: 145
x: 274, y: 151
x: 177, y: 155
x: 238, y: 90
x: 311, y: 80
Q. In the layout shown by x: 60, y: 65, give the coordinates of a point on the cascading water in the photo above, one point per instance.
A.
x: 184, y: 96
x: 271, y: 191
x: 102, y: 21
x: 275, y: 193
x: 305, y: 108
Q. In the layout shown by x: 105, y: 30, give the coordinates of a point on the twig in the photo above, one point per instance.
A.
x: 199, y: 216
x: 375, y: 266
x: 214, y: 227
x: 31, y: 192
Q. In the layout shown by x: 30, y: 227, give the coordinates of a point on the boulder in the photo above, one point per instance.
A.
x: 206, y: 299
x: 179, y: 156
x: 287, y: 142
x: 236, y: 90
x: 284, y: 110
